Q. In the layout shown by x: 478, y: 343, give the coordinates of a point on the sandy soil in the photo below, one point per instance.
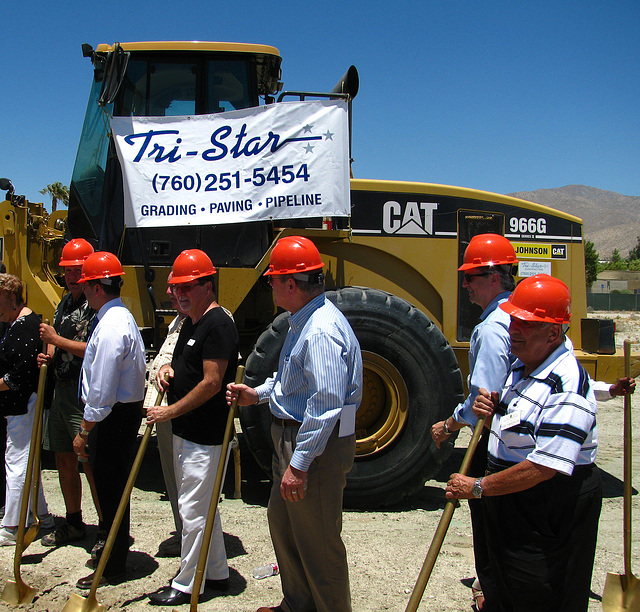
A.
x: 386, y: 548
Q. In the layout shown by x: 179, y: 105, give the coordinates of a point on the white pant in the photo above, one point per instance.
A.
x: 164, y: 437
x: 196, y: 466
x: 19, y: 428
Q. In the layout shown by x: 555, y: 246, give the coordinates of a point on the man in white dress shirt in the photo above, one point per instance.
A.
x: 112, y: 389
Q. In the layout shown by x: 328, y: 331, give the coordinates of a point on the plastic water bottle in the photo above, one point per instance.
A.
x: 264, y: 571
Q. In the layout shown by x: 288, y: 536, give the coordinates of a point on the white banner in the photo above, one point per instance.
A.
x: 286, y: 160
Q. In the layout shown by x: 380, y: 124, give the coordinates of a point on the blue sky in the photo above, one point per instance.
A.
x: 497, y: 95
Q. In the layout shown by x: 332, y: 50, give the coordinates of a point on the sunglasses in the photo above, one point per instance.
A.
x: 469, y: 277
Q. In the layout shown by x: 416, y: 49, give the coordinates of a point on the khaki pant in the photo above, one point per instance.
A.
x: 306, y: 534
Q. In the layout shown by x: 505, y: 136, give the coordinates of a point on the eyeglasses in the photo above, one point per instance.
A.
x: 184, y: 288
x: 271, y: 278
x: 469, y: 277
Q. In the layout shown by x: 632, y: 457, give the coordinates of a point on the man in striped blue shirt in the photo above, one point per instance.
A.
x: 542, y: 494
x: 313, y: 399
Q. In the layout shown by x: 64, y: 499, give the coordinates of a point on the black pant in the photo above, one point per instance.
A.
x: 542, y: 542
x: 113, y: 441
x: 488, y: 584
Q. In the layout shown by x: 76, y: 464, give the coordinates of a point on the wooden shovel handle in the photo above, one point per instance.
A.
x: 443, y: 526
x: 627, y: 464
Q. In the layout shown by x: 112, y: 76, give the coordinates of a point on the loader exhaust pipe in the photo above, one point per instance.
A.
x: 349, y: 83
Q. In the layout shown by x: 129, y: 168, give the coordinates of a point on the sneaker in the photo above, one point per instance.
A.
x: 8, y: 536
x: 63, y: 535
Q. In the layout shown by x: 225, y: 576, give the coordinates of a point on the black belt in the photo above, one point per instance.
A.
x: 291, y: 422
x: 284, y: 422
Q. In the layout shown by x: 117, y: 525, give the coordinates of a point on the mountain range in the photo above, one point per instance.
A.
x: 611, y: 220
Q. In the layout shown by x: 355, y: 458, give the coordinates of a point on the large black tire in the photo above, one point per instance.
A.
x: 262, y: 363
x: 411, y: 380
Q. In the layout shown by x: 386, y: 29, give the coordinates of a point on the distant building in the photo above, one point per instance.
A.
x: 616, y: 280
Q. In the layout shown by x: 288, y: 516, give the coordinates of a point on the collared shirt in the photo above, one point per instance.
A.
x: 602, y: 390
x: 114, y: 365
x: 548, y: 417
x: 319, y: 372
x: 489, y: 357
x: 72, y: 320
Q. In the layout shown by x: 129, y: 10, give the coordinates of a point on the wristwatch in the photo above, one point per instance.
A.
x: 84, y: 433
x: 445, y: 427
x: 477, y: 488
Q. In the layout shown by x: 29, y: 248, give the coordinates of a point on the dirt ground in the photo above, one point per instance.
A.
x: 385, y: 548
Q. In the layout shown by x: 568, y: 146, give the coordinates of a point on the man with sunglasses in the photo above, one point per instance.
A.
x: 204, y: 361
x: 488, y: 265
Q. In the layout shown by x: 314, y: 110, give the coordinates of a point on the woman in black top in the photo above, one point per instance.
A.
x: 18, y: 386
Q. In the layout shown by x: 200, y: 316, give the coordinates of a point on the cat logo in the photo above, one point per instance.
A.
x: 415, y: 220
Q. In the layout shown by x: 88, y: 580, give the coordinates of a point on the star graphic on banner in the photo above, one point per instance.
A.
x: 328, y: 135
x: 307, y: 128
x: 309, y: 149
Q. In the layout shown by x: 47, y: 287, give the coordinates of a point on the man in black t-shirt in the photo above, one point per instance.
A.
x: 204, y: 362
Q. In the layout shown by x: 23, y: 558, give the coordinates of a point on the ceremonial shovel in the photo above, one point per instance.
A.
x: 622, y: 591
x: 443, y: 525
x: 18, y: 592
x: 213, y: 505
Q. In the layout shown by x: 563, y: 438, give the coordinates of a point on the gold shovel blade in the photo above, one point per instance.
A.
x: 621, y: 593
x: 16, y: 593
x: 77, y: 603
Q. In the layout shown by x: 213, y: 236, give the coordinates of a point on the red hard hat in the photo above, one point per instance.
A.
x: 100, y: 264
x: 540, y: 298
x: 190, y: 265
x: 488, y: 250
x: 75, y: 252
x: 294, y: 254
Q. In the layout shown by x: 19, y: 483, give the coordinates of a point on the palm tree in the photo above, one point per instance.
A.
x: 57, y: 191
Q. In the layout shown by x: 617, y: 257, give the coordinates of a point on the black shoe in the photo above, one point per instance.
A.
x: 86, y: 582
x: 170, y: 547
x: 217, y: 585
x: 168, y: 596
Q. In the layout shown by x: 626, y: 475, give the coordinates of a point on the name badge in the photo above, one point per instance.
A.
x: 191, y: 342
x: 347, y: 421
x: 510, y: 420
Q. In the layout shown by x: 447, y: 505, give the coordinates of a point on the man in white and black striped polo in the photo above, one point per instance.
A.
x: 542, y: 493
